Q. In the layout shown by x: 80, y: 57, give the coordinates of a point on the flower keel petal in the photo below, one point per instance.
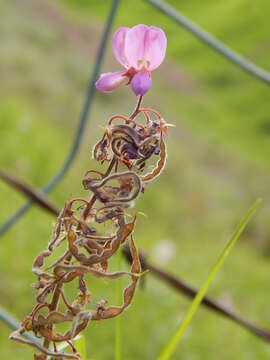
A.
x: 141, y: 83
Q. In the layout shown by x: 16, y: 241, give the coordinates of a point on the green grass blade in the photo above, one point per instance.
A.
x: 118, y: 327
x: 79, y: 343
x: 169, y: 349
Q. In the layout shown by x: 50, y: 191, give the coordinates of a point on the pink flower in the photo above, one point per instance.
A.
x: 140, y: 50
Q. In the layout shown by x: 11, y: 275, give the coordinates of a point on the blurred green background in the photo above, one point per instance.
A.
x: 218, y: 164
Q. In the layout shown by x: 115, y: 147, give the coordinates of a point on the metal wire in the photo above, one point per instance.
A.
x: 211, y: 41
x: 81, y: 126
x: 14, y: 324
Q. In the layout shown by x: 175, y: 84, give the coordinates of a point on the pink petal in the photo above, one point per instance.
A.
x: 111, y: 81
x: 119, y: 38
x: 134, y: 45
x: 141, y: 83
x: 155, y: 47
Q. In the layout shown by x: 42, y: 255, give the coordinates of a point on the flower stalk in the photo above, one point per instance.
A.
x: 128, y: 143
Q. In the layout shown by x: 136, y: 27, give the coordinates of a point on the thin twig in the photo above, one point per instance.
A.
x: 181, y: 286
x: 34, y: 196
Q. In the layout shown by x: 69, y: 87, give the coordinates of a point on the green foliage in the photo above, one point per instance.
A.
x: 172, y: 344
x: 79, y: 343
x: 218, y: 161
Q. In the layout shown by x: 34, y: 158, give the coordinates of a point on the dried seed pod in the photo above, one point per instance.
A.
x: 87, y: 248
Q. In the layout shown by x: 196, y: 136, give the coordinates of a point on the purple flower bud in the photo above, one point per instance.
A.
x: 141, y: 83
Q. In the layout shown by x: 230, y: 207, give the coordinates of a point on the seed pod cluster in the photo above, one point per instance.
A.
x: 127, y: 144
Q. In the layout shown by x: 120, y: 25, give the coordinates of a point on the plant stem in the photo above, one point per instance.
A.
x: 53, y: 307
x: 118, y: 327
x: 58, y: 288
x: 112, y: 163
x: 93, y: 199
x: 137, y: 108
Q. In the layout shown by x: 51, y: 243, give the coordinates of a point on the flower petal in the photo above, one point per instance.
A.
x: 118, y: 42
x: 141, y: 83
x: 135, y: 45
x: 155, y: 47
x: 111, y: 81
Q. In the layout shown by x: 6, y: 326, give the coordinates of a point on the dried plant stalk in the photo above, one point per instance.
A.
x: 127, y: 143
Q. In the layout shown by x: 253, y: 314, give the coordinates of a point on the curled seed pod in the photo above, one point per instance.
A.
x: 87, y: 249
x: 130, y: 186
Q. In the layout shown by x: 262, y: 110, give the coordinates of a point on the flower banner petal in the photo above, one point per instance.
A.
x: 155, y: 47
x: 135, y: 45
x: 118, y: 44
